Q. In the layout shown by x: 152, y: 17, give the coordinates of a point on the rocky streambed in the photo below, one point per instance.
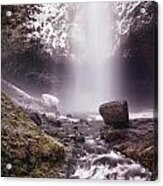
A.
x: 98, y: 151
x: 114, y: 145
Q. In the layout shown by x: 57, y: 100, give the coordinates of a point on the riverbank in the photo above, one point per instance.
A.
x: 28, y: 150
x: 86, y: 148
x: 139, y: 142
x: 90, y: 139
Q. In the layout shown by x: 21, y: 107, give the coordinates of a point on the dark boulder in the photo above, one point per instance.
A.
x: 58, y: 123
x: 69, y: 115
x: 54, y: 122
x: 115, y: 114
x: 51, y: 120
x: 36, y: 118
x: 90, y: 145
x: 80, y: 139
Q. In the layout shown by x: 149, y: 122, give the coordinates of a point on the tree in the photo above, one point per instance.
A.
x: 29, y: 24
x: 32, y: 36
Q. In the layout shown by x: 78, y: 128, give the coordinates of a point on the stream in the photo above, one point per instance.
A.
x: 92, y: 158
x: 95, y: 160
x: 111, y: 165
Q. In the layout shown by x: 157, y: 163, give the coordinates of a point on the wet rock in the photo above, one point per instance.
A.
x: 115, y: 114
x: 90, y: 145
x: 61, y: 134
x: 66, y: 140
x: 84, y: 121
x: 100, y: 149
x: 52, y: 121
x: 111, y: 161
x: 77, y: 138
x: 72, y: 136
x: 36, y: 118
x: 148, y: 157
x: 80, y: 139
x: 110, y: 135
x: 75, y: 127
x: 112, y: 176
x: 138, y: 142
x: 69, y: 115
x: 58, y: 123
x: 55, y: 123
x: 71, y: 166
x: 135, y: 171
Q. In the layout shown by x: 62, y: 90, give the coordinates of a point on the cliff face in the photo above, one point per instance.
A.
x: 30, y: 151
x: 137, y: 51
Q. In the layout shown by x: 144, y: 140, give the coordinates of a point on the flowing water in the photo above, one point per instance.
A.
x: 94, y: 159
x: 112, y: 166
x: 91, y: 41
x: 94, y: 80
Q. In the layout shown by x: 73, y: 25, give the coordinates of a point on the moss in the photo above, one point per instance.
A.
x: 148, y: 159
x: 31, y: 152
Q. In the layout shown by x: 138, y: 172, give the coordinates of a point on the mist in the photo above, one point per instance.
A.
x: 94, y: 76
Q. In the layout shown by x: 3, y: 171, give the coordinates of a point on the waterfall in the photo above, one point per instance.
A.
x: 91, y: 39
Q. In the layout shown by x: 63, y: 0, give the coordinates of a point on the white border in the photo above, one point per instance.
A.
x: 34, y: 182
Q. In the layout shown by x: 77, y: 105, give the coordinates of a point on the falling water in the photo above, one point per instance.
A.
x: 91, y: 48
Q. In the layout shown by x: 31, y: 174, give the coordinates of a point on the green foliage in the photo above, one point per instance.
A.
x: 16, y: 27
x: 34, y: 38
x: 133, y: 18
x: 29, y: 24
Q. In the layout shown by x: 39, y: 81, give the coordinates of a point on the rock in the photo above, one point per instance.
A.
x: 53, y: 121
x: 100, y: 149
x: 111, y: 161
x: 69, y: 115
x: 80, y: 139
x: 115, y: 114
x: 75, y: 127
x: 138, y: 142
x: 58, y: 123
x: 77, y: 138
x: 36, y: 118
x: 72, y: 137
x: 111, y: 135
x: 134, y: 171
x: 148, y: 157
x: 90, y: 145
x: 84, y: 121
